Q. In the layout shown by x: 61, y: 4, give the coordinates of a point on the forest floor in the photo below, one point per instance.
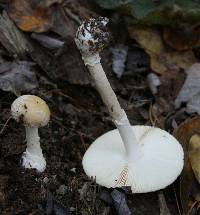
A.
x: 78, y: 117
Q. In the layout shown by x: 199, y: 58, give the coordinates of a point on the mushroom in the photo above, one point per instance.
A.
x: 33, y: 112
x: 142, y: 157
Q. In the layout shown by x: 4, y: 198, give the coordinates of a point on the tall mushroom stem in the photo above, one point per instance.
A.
x: 90, y: 39
x: 33, y: 141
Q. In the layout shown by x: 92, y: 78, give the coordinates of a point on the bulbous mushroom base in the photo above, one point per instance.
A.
x: 30, y: 161
x: 158, y: 165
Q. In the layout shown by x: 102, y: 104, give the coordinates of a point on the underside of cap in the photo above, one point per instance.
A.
x: 159, y: 164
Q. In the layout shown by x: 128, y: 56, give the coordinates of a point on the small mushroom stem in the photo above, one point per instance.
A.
x: 33, y: 157
x: 33, y: 141
x: 90, y: 39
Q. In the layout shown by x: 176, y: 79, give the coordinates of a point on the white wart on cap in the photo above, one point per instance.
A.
x: 158, y: 165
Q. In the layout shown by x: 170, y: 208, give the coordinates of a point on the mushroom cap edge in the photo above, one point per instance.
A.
x: 159, y: 165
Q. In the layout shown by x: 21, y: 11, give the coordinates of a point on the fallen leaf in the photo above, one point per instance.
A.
x: 137, y: 61
x: 186, y: 130
x: 193, y: 106
x: 69, y: 65
x: 171, y: 85
x: 54, y: 207
x: 164, y: 210
x: 66, y: 19
x: 106, y: 197
x: 41, y: 16
x: 190, y: 91
x: 62, y: 24
x: 194, y: 155
x: 112, y: 4
x: 162, y: 59
x: 168, y: 12
x: 80, y: 9
x: 189, y: 188
x: 45, y: 3
x: 17, y: 77
x: 30, y: 18
x: 58, y: 16
x: 182, y: 37
x: 48, y: 42
x: 120, y: 204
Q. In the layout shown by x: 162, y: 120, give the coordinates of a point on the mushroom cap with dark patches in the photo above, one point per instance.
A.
x: 30, y: 110
x: 92, y: 36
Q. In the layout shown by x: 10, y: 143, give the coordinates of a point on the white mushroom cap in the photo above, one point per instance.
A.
x: 158, y: 165
x: 31, y: 110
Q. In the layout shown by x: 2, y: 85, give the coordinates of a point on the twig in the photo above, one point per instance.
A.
x: 46, y: 41
x: 153, y: 118
x: 72, y: 16
x: 179, y: 210
x: 3, y: 128
x: 164, y: 210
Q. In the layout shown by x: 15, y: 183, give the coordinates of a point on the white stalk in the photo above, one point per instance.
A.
x: 86, y: 42
x: 117, y: 113
x: 33, y: 141
x: 33, y: 157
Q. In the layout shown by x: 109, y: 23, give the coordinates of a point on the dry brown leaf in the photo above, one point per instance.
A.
x: 69, y: 66
x: 45, y: 3
x: 164, y: 210
x: 30, y: 18
x: 17, y: 77
x: 66, y: 19
x: 43, y: 15
x: 190, y: 92
x: 194, y: 155
x: 189, y: 187
x: 80, y: 10
x: 182, y: 37
x: 167, y: 92
x: 162, y: 59
x: 171, y: 85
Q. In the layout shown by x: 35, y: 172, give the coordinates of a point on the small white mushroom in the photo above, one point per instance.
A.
x: 142, y: 157
x: 33, y: 112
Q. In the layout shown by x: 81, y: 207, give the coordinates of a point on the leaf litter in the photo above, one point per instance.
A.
x: 190, y: 91
x: 187, y: 134
x: 162, y: 58
x: 18, y: 77
x: 120, y: 202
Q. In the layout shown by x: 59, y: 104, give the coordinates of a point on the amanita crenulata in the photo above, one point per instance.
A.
x: 33, y: 112
x: 142, y: 157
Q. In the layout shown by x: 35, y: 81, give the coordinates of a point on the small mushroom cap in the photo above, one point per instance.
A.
x: 160, y: 162
x: 31, y: 110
